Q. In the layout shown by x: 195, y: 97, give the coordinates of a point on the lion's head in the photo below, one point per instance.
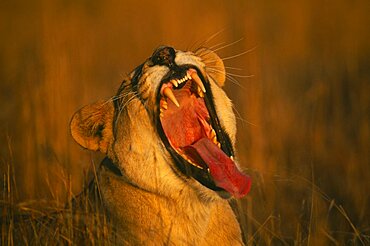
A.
x: 170, y: 128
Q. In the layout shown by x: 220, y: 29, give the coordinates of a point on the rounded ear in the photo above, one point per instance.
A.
x: 214, y: 65
x: 91, y: 126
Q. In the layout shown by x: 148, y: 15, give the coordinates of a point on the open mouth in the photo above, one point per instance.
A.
x: 190, y: 129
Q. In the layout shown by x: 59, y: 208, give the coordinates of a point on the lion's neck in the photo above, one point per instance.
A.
x: 145, y: 217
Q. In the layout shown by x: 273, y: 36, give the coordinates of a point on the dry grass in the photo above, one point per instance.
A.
x: 303, y: 104
x: 80, y: 221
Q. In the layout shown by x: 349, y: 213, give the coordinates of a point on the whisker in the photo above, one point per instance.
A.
x: 240, y: 75
x: 221, y: 46
x: 111, y: 99
x: 237, y: 55
x: 114, y: 98
x: 232, y: 79
x: 234, y: 68
x: 129, y: 100
x: 208, y: 50
x: 216, y: 46
x: 124, y: 95
x: 194, y: 45
x: 228, y: 45
x: 209, y: 61
x: 232, y: 74
x: 203, y: 43
x: 125, y: 105
x: 213, y: 36
x: 239, y: 117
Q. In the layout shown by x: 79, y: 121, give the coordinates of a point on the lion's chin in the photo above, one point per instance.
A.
x: 190, y: 129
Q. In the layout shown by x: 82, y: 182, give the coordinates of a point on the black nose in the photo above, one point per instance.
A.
x: 164, y: 55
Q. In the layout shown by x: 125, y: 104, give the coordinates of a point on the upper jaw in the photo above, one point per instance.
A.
x: 178, y: 82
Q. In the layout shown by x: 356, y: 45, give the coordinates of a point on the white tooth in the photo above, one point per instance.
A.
x: 174, y: 82
x: 161, y: 115
x: 192, y: 163
x: 212, y: 133
x: 169, y: 94
x: 200, y: 92
x: 199, y: 82
x: 178, y: 81
x: 213, y: 136
x: 164, y: 104
x: 215, y: 140
x: 232, y: 157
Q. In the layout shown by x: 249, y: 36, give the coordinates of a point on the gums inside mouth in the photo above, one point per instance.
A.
x: 187, y: 118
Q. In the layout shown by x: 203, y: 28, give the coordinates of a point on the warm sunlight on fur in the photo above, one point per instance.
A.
x: 296, y: 71
x: 166, y: 186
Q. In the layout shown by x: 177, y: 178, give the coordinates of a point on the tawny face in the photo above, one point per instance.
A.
x: 193, y: 117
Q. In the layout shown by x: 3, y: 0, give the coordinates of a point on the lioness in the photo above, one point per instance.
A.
x: 168, y: 135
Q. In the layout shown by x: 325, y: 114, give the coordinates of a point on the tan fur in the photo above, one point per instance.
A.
x: 153, y: 203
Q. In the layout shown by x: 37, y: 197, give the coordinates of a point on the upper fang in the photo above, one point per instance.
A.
x: 197, y: 80
x: 175, y: 83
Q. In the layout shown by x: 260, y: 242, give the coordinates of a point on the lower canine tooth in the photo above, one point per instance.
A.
x: 169, y: 94
x: 200, y: 92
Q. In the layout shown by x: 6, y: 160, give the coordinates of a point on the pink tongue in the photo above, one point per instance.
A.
x: 223, y: 170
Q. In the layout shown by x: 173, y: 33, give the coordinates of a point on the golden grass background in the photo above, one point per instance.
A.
x: 303, y: 106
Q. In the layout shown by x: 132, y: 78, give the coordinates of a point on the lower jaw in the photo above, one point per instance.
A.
x: 223, y: 194
x: 202, y: 178
x: 208, y: 193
